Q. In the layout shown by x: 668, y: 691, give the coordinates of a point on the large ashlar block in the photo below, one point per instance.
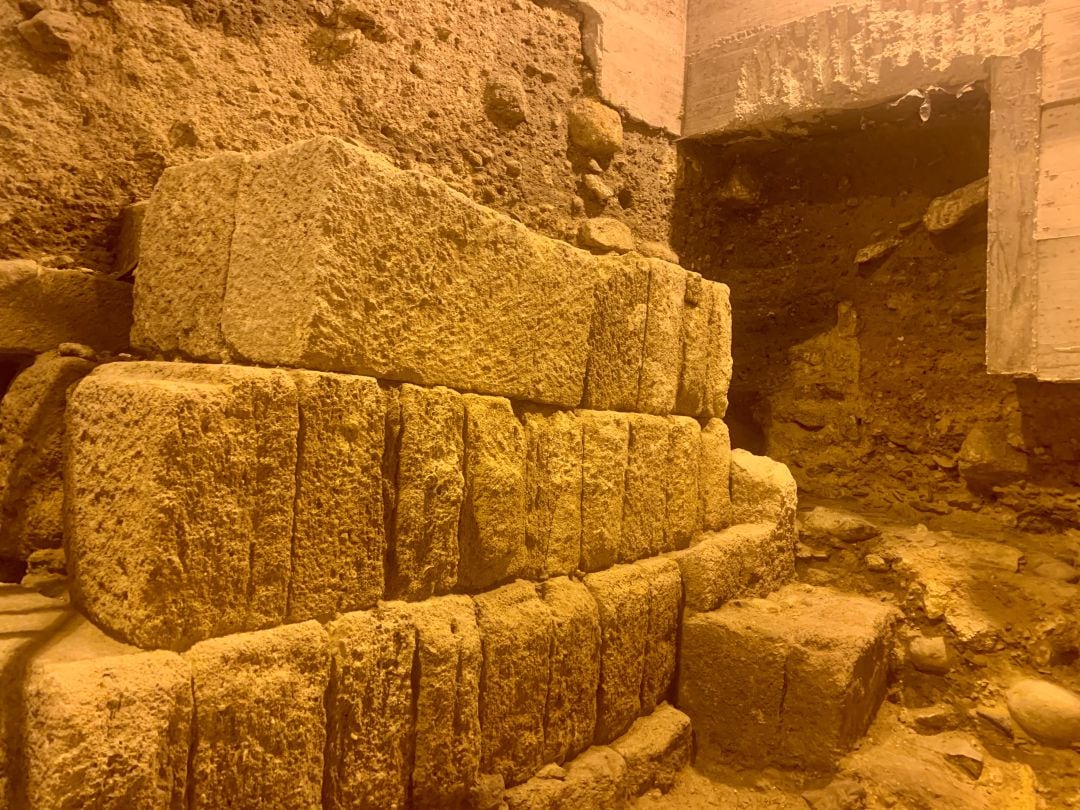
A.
x: 682, y: 500
x: 655, y: 749
x: 661, y: 357
x: 644, y: 517
x: 570, y: 710
x: 516, y: 631
x: 180, y: 483
x: 339, y: 535
x: 425, y: 463
x: 260, y: 721
x: 595, y: 780
x: 491, y: 539
x: 605, y: 448
x: 714, y: 478
x: 553, y: 483
x: 763, y: 490
x: 662, y: 630
x: 792, y: 680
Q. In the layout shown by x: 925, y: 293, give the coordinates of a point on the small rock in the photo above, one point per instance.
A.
x: 742, y: 188
x: 606, y: 235
x: 877, y: 251
x: 552, y: 771
x: 964, y: 756
x: 821, y: 523
x: 513, y: 168
x: 577, y: 206
x: 842, y: 794
x: 997, y: 718
x: 598, y: 188
x: 1057, y: 570
x: 52, y: 32
x: 956, y: 207
x: 352, y: 14
x: 77, y: 350
x: 929, y: 654
x: 595, y: 167
x: 504, y: 101
x: 876, y: 564
x: 658, y: 250
x: 1048, y: 712
x: 595, y: 128
x: 987, y: 460
x: 930, y: 720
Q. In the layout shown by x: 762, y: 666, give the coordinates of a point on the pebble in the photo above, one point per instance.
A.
x: 606, y: 234
x: 1048, y: 712
x: 929, y: 654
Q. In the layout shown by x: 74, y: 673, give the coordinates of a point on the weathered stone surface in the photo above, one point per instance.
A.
x: 180, y: 483
x: 184, y: 259
x: 763, y: 490
x: 1048, y: 712
x: 719, y: 368
x: 658, y: 250
x: 655, y: 749
x: 929, y: 654
x: 957, y: 207
x: 426, y: 461
x: 44, y: 308
x: 662, y: 631
x: 570, y: 713
x: 644, y: 524
x: 682, y: 499
x: 606, y: 235
x: 260, y: 722
x: 595, y: 780
x: 824, y: 524
x: 108, y: 731
x: 617, y: 338
x: 553, y: 482
x: 52, y: 32
x: 491, y: 539
x: 662, y: 354
x: 747, y: 559
x: 606, y: 438
x: 595, y: 128
x: 516, y: 631
x: 339, y: 536
x: 622, y: 598
x: 31, y: 454
x: 714, y: 476
x: 694, y: 347
x: 803, y: 674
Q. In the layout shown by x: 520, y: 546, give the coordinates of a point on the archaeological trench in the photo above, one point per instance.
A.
x: 539, y: 404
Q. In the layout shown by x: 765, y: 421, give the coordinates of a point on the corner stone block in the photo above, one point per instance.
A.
x: 622, y: 597
x: 426, y: 487
x: 570, y: 713
x: 108, y: 731
x: 553, y: 483
x: 180, y: 482
x: 763, y: 490
x: 516, y: 631
x: 491, y: 539
x: 655, y: 749
x: 714, y: 478
x: 617, y: 337
x: 594, y: 780
x: 661, y: 639
x: 339, y: 536
x: 644, y: 517
x: 605, y: 439
x: 799, y: 678
x: 662, y: 355
x: 260, y: 720
x: 682, y: 500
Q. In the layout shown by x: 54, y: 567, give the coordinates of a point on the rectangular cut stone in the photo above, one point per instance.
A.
x: 661, y: 638
x: 425, y: 460
x: 260, y: 721
x: 184, y: 259
x: 803, y: 674
x: 719, y: 368
x: 617, y: 337
x: 553, y: 490
x: 655, y: 749
x: 595, y: 780
x: 517, y: 632
x: 491, y: 539
x: 570, y: 713
x: 605, y: 439
x: 109, y: 731
x: 339, y: 536
x: 714, y: 478
x: 662, y: 355
x: 693, y: 347
x: 682, y: 499
x: 180, y: 482
x: 622, y: 598
x: 644, y: 517
x: 763, y: 490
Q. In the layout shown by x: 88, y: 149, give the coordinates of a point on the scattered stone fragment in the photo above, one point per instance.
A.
x: 658, y: 250
x: 823, y: 524
x: 876, y: 564
x: 595, y: 128
x: 877, y: 251
x: 988, y: 460
x: 598, y: 188
x: 965, y: 756
x: 930, y: 719
x: 552, y: 771
x: 1048, y: 712
x: 595, y: 780
x: 957, y: 207
x: 488, y: 792
x: 606, y: 235
x: 997, y: 717
x: 504, y: 101
x: 52, y: 32
x: 929, y: 654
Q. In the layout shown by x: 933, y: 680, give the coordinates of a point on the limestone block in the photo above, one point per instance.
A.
x: 644, y: 518
x: 682, y: 499
x: 570, y: 712
x: 260, y: 722
x: 426, y: 461
x: 714, y: 478
x: 180, y: 483
x: 110, y: 732
x: 184, y: 259
x: 491, y: 538
x: 339, y: 536
x: 762, y: 490
x: 516, y: 631
x: 662, y: 630
x: 662, y: 355
x: 44, y: 308
x: 802, y: 674
x: 693, y: 347
x: 594, y: 780
x: 32, y: 453
x: 617, y: 337
x: 605, y: 440
x: 719, y: 368
x: 655, y: 749
x: 553, y: 485
x: 622, y: 598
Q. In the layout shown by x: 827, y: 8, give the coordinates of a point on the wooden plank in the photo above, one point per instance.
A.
x: 1011, y: 271
x: 1058, y: 213
x: 1061, y: 51
x: 1059, y: 309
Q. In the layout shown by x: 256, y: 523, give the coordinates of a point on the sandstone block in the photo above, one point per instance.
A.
x: 595, y: 780
x: 793, y: 680
x: 339, y: 536
x: 622, y: 597
x: 180, y: 483
x: 426, y: 460
x: 662, y: 355
x: 714, y: 478
x: 655, y: 749
x: 260, y: 722
x: 662, y: 630
x: 762, y: 490
x: 491, y: 539
x: 516, y: 631
x: 693, y: 346
x: 682, y: 499
x: 553, y: 483
x: 644, y: 518
x: 605, y: 448
x: 617, y: 337
x: 719, y: 367
x: 570, y: 711
x: 44, y: 308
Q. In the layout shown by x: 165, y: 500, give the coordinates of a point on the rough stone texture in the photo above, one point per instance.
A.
x: 110, y: 732
x: 606, y: 438
x: 662, y: 352
x: 617, y: 338
x: 606, y: 235
x: 595, y: 129
x: 682, y: 499
x: 52, y: 32
x: 644, y: 524
x: 719, y: 363
x: 762, y: 490
x: 339, y: 536
x: 44, y: 308
x: 655, y: 749
x: 714, y: 477
x: 517, y: 634
x: 662, y: 631
x: 1048, y: 712
x: 987, y: 459
x: 945, y: 213
x: 31, y: 454
x: 128, y: 243
x: 747, y: 559
x: 260, y: 722
x: 622, y: 597
x: 570, y: 713
x: 491, y: 539
x: 426, y: 461
x: 705, y: 364
x: 553, y: 490
x: 824, y: 524
x: 180, y: 483
x: 803, y: 674
x: 596, y: 779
